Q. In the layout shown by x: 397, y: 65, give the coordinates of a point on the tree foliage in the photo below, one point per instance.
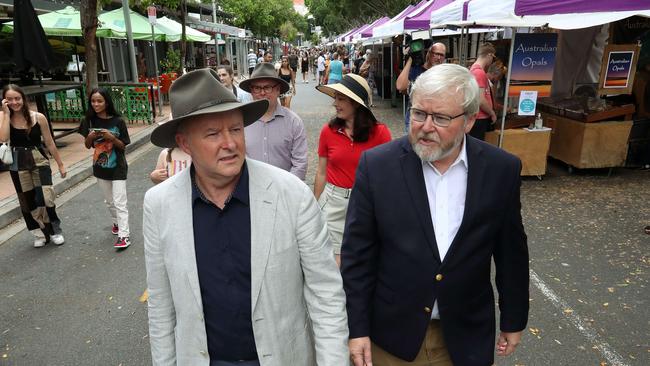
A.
x: 264, y: 18
x: 338, y: 16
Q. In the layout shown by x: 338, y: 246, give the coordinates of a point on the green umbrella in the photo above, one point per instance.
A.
x: 140, y: 27
x: 174, y: 29
x: 64, y: 22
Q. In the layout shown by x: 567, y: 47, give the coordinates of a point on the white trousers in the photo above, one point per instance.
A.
x: 115, y: 198
x: 334, y: 204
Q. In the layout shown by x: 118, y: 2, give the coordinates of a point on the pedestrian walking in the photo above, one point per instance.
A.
x: 252, y: 61
x: 287, y: 74
x: 367, y: 71
x: 321, y: 68
x: 106, y: 132
x: 171, y: 161
x: 486, y: 115
x: 304, y: 67
x: 313, y: 62
x: 31, y: 145
x: 334, y: 70
x: 239, y: 265
x: 293, y: 60
x: 353, y: 130
x: 428, y: 214
x: 227, y: 78
x: 278, y: 137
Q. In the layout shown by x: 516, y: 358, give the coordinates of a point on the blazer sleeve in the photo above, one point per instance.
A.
x: 299, y: 150
x: 511, y: 262
x: 323, y: 287
x: 359, y: 253
x: 162, y: 318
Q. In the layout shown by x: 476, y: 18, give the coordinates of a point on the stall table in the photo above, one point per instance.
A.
x: 530, y: 146
x: 588, y: 145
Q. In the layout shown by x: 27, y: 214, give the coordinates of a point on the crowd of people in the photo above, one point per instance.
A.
x: 386, y: 261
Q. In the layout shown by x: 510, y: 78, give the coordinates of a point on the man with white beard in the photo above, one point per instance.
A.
x: 427, y: 215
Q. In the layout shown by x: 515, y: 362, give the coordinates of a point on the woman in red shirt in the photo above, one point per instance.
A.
x: 353, y: 130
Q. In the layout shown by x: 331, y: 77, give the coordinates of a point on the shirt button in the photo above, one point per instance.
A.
x: 427, y: 309
x: 203, y: 353
x: 438, y: 277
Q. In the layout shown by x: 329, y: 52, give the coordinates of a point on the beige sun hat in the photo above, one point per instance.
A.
x: 200, y: 92
x: 264, y: 70
x: 352, y: 86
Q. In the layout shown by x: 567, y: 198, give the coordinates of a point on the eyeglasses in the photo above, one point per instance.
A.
x: 265, y: 88
x: 439, y: 120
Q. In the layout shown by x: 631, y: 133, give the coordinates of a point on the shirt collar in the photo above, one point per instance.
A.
x: 240, y: 193
x: 460, y: 159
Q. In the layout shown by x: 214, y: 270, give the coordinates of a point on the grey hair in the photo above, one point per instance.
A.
x: 446, y: 80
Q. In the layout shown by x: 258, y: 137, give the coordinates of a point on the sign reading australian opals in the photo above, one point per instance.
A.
x: 532, y: 63
x: 617, y: 69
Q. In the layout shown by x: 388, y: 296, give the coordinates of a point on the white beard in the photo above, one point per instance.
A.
x: 434, y: 153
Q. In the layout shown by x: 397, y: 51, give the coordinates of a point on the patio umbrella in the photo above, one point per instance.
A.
x: 30, y: 45
x: 140, y: 27
x: 64, y: 22
x: 174, y: 29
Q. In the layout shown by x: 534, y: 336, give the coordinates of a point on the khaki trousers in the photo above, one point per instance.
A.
x: 433, y: 351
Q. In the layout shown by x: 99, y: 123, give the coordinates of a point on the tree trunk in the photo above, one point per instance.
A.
x: 183, y: 44
x: 88, y: 12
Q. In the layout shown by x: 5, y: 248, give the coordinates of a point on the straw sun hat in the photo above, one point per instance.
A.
x: 200, y: 92
x: 352, y: 86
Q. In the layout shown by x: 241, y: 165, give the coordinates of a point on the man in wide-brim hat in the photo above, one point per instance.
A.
x: 278, y: 137
x: 240, y: 270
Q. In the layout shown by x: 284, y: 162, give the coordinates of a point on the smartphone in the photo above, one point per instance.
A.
x: 96, y: 129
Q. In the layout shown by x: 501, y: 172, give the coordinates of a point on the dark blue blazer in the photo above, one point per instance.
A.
x: 391, y: 267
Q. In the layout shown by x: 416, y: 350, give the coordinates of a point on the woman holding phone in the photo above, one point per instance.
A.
x: 106, y: 132
x: 31, y: 145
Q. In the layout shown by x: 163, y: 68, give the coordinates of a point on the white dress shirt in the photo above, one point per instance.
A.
x: 446, y: 194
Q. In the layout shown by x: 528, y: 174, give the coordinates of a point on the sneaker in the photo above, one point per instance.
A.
x: 115, y: 230
x: 57, y: 239
x: 39, y: 242
x: 122, y: 243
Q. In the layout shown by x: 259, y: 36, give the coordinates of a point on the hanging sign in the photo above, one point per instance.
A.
x: 618, y: 68
x: 527, y: 103
x: 533, y: 59
x: 151, y: 12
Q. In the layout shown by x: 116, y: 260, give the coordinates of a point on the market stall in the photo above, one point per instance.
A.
x: 586, y: 132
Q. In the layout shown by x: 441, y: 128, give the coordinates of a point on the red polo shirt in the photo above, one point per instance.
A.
x: 343, y: 154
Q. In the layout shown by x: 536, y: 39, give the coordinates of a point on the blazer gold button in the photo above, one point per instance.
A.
x: 427, y: 309
x: 438, y: 277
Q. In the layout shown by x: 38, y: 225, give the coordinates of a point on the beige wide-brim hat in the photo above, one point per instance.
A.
x: 200, y: 92
x: 352, y: 86
x: 262, y: 71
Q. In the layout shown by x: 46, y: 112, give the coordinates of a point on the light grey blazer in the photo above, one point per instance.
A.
x: 297, y: 299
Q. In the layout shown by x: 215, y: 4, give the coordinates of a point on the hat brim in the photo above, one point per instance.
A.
x: 332, y: 89
x: 245, y: 85
x: 165, y: 134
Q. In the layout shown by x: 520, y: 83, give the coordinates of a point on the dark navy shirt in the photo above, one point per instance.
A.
x: 222, y: 240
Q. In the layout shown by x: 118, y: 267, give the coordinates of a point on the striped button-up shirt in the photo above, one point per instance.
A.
x: 281, y: 142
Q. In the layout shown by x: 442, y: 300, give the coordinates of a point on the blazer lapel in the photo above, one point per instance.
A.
x: 263, y: 204
x: 414, y: 178
x: 475, y: 178
x: 184, y: 233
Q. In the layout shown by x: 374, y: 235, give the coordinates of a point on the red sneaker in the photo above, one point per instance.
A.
x: 122, y: 243
x: 115, y: 230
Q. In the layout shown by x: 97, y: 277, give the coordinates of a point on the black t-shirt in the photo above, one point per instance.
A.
x: 108, y: 163
x: 293, y: 61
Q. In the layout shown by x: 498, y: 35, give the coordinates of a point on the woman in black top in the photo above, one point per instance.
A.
x: 29, y: 135
x: 106, y: 132
x: 304, y: 67
x: 287, y: 74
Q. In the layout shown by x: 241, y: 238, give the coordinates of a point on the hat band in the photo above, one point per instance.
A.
x: 355, y: 87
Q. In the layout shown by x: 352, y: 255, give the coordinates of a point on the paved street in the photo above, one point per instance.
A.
x: 78, y: 304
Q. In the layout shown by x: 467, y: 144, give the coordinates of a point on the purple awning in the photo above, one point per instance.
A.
x: 420, y: 18
x: 350, y: 36
x: 368, y: 31
x: 547, y: 7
